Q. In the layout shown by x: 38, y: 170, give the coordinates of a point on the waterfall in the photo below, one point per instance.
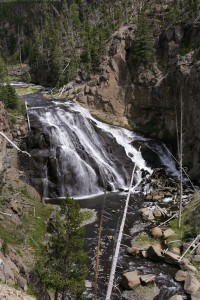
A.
x: 81, y: 155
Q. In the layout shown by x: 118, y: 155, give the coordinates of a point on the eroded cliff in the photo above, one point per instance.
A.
x: 148, y: 98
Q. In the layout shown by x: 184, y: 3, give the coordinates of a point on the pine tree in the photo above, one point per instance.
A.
x: 63, y: 266
x: 143, y: 51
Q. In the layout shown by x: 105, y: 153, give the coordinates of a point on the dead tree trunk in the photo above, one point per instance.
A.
x: 115, y: 257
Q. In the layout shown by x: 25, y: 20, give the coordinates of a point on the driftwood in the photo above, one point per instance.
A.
x: 194, y: 241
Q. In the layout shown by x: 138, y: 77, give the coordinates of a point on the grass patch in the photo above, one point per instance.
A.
x: 33, y: 225
x: 144, y: 240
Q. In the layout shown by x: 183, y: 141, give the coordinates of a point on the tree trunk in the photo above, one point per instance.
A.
x: 56, y: 294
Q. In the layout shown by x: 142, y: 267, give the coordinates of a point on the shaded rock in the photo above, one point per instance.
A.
x: 198, y: 250
x: 169, y: 232
x: 180, y: 276
x: 191, y: 284
x: 156, y: 232
x: 149, y: 278
x: 155, y: 252
x: 130, y: 280
x: 171, y: 257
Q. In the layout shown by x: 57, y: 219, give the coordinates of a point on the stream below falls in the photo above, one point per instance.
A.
x: 72, y: 152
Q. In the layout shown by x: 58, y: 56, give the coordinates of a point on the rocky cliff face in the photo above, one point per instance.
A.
x: 149, y: 98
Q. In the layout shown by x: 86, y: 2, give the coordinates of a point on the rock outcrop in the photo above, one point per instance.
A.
x: 148, y: 98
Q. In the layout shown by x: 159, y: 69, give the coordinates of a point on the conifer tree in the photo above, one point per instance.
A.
x: 143, y: 51
x: 63, y: 266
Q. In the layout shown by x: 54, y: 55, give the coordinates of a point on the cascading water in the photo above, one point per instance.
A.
x: 83, y: 156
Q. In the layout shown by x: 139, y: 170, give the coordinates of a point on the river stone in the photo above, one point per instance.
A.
x: 191, y: 284
x: 149, y: 278
x: 169, y: 232
x: 130, y: 280
x: 156, y: 232
x: 181, y: 275
x: 154, y: 252
x: 176, y: 297
x: 171, y: 258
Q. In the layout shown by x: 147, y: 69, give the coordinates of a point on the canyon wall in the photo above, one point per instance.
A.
x: 148, y: 98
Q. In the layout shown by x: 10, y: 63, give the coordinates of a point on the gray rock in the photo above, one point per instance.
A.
x: 130, y: 280
x: 191, y: 284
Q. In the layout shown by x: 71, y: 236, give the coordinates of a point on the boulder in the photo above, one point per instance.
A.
x: 180, y: 276
x: 155, y: 252
x: 130, y: 280
x: 156, y: 232
x: 171, y: 258
x: 147, y: 279
x: 169, y: 232
x: 176, y: 297
x: 191, y: 284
